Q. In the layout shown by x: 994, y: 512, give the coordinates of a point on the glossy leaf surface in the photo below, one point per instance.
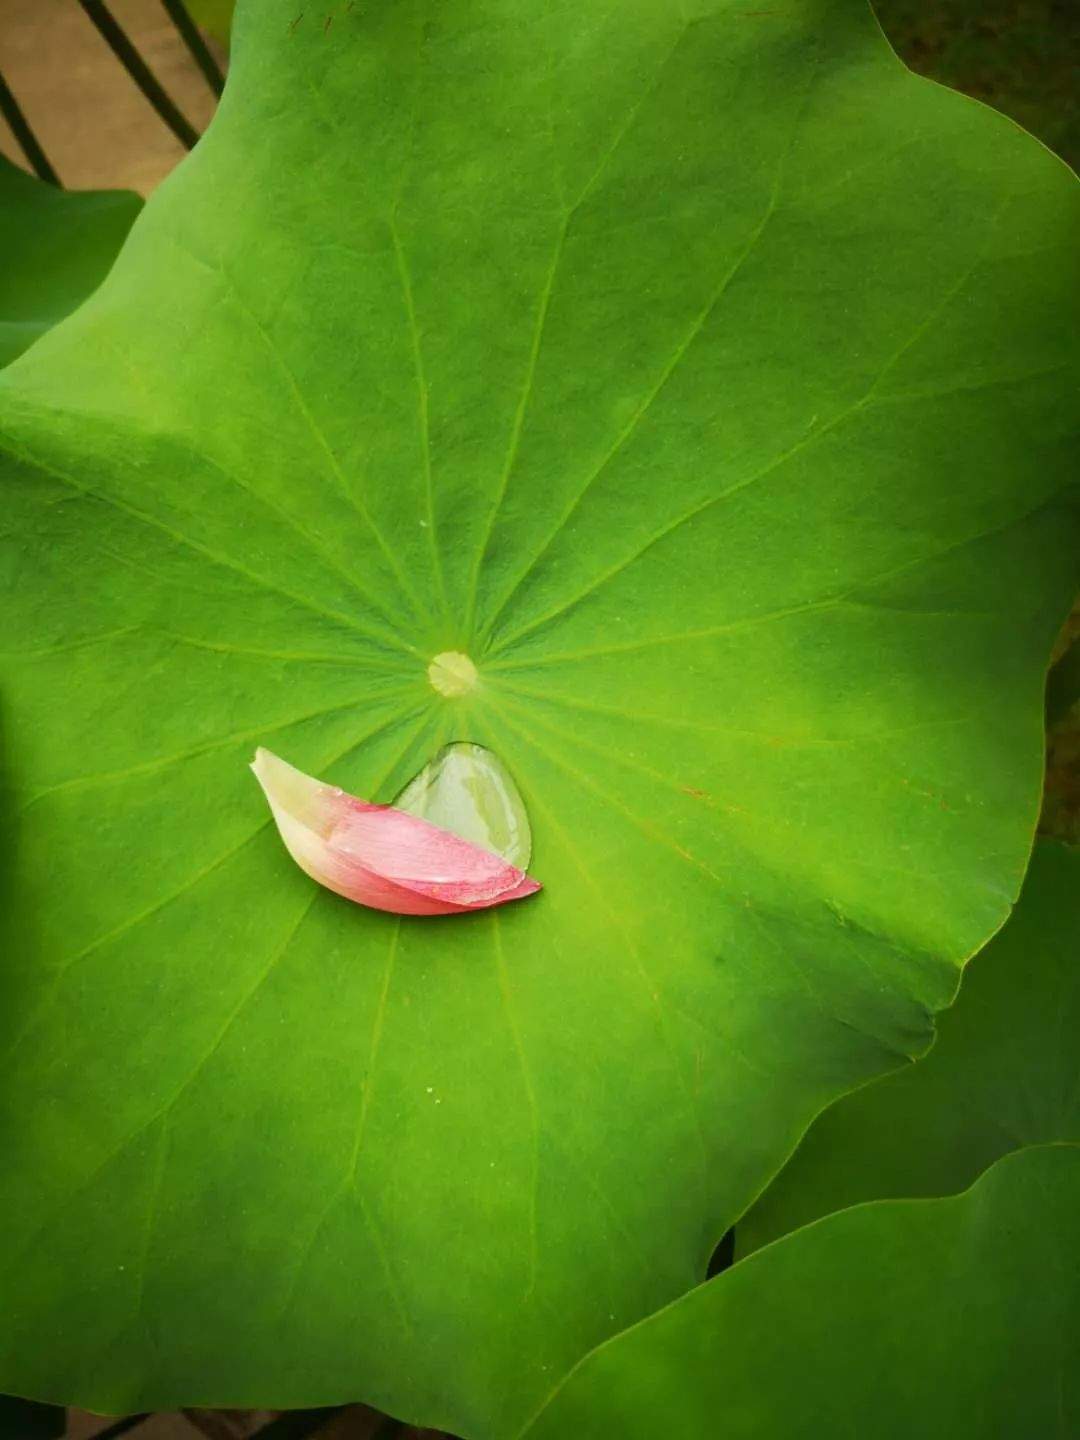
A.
x: 709, y: 381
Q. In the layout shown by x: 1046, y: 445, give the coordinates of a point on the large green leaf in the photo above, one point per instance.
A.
x: 709, y: 380
x: 56, y: 247
x: 1003, y: 1073
x: 936, y: 1318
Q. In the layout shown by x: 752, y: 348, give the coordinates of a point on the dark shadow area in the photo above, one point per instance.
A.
x: 723, y: 1257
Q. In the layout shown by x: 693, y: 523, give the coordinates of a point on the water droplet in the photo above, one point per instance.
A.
x: 469, y: 791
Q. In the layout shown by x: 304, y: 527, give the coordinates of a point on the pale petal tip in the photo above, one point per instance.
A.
x: 264, y: 763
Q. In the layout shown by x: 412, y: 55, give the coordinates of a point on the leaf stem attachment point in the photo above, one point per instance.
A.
x: 452, y: 674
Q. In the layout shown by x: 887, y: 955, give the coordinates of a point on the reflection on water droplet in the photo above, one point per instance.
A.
x: 469, y: 791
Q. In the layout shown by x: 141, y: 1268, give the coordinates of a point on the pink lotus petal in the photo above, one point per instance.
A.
x: 381, y: 857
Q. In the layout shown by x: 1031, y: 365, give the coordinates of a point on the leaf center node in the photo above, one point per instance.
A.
x: 452, y: 674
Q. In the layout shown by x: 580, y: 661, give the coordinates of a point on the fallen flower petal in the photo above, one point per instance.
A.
x: 379, y: 856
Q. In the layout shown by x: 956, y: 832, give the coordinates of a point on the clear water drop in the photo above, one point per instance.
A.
x: 469, y: 791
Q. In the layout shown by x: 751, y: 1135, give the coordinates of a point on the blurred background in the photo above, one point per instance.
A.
x: 98, y: 129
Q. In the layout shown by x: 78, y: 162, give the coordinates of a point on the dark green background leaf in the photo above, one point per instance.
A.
x: 1063, y: 685
x: 215, y: 16
x: 935, y: 1318
x: 56, y: 247
x: 1003, y: 1073
x: 709, y: 380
